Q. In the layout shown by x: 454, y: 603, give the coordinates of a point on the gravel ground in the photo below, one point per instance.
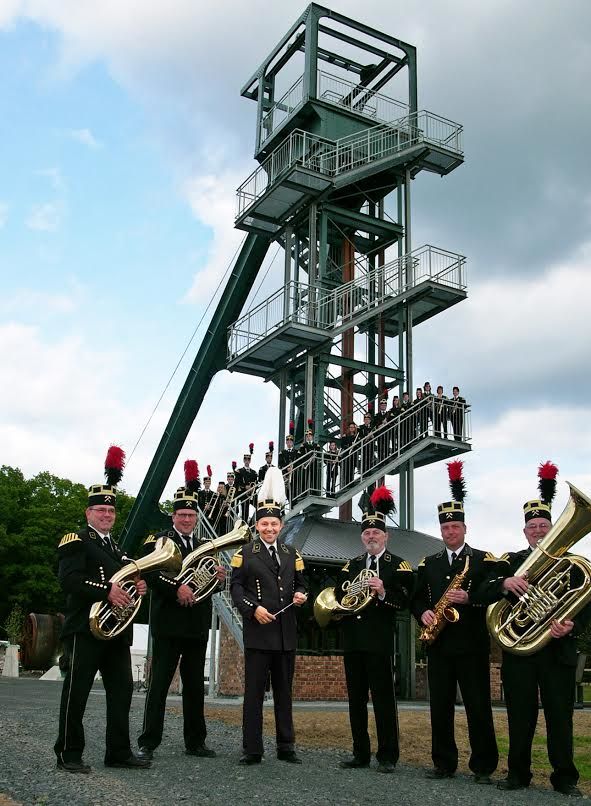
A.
x: 28, y: 775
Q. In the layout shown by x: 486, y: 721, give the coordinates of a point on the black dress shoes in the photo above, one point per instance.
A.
x: 145, y: 752
x: 73, y: 766
x: 438, y: 774
x: 386, y: 767
x: 509, y: 784
x: 131, y: 763
x: 289, y: 755
x: 482, y: 778
x: 570, y: 790
x: 354, y: 764
x: 250, y: 758
x: 202, y: 750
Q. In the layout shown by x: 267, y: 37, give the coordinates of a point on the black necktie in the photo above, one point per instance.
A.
x: 273, y: 553
x: 373, y: 566
x: 188, y: 542
x: 454, y: 556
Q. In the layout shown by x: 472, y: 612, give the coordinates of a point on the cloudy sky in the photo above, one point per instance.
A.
x: 123, y: 138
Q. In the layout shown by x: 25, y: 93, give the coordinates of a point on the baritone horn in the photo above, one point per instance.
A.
x: 357, y: 596
x: 108, y: 620
x: 559, y: 585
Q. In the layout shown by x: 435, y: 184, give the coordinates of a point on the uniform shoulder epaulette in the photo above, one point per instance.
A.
x: 504, y: 558
x: 489, y: 557
x: 422, y: 562
x: 404, y: 566
x: 71, y: 537
x: 299, y: 563
x: 236, y: 561
x: 150, y: 539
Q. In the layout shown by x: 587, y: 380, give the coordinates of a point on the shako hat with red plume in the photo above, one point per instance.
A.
x: 186, y: 497
x: 271, y: 448
x: 542, y: 507
x: 310, y: 428
x: 380, y: 505
x: 454, y: 510
x: 106, y: 493
x: 209, y: 474
x: 291, y: 430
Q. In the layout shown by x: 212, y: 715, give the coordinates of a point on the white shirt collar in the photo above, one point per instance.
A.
x: 457, y: 552
x: 377, y: 556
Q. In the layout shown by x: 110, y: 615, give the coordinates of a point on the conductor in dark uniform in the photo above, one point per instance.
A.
x: 267, y: 579
x: 87, y: 559
x: 369, y: 637
x: 180, y: 629
x: 550, y: 671
x: 459, y: 654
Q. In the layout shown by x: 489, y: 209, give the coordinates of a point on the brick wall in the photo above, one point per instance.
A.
x: 495, y: 681
x: 316, y: 678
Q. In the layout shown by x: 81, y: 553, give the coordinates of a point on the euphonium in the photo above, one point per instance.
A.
x: 445, y: 613
x: 524, y: 627
x: 357, y: 596
x: 108, y: 620
x: 198, y: 570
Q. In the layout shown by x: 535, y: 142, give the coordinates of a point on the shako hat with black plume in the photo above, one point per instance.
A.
x: 542, y: 507
x: 107, y: 493
x: 380, y: 505
x: 453, y: 510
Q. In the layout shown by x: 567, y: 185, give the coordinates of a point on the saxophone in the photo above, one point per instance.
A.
x: 444, y: 612
x: 107, y: 620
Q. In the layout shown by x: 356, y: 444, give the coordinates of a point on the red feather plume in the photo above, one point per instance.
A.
x: 234, y: 465
x: 547, y: 473
x: 191, y: 470
x: 456, y: 479
x: 251, y: 447
x: 382, y: 500
x: 291, y: 426
x: 271, y: 445
x: 209, y: 471
x: 547, y: 470
x: 114, y: 464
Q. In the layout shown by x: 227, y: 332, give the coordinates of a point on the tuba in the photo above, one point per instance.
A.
x: 523, y: 627
x: 108, y: 620
x: 357, y: 596
x: 198, y: 570
x: 444, y: 612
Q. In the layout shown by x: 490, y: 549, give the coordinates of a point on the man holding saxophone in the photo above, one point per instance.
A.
x: 369, y: 635
x: 457, y: 650
x: 180, y: 629
x: 549, y: 671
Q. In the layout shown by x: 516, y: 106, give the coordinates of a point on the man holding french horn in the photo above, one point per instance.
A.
x: 547, y: 671
x: 180, y: 630
x: 87, y: 559
x: 382, y: 583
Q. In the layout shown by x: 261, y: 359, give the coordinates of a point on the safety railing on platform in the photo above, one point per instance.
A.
x: 333, y: 90
x: 308, y: 150
x: 326, y: 474
x: 331, y: 309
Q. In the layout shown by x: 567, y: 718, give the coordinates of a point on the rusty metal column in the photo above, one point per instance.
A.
x: 346, y: 509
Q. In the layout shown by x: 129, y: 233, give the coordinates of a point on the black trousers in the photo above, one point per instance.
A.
x: 257, y: 665
x: 522, y: 677
x: 472, y: 673
x: 87, y: 657
x: 457, y: 422
x: 365, y: 672
x: 165, y: 657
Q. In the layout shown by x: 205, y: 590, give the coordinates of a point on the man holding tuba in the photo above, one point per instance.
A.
x: 369, y: 635
x: 551, y: 670
x: 180, y: 630
x: 87, y: 560
x: 457, y: 650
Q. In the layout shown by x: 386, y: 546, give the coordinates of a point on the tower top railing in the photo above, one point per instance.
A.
x: 338, y: 92
x: 340, y: 308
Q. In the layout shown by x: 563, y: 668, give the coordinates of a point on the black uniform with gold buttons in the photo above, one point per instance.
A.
x: 87, y: 560
x: 256, y: 580
x: 459, y: 655
x: 369, y: 650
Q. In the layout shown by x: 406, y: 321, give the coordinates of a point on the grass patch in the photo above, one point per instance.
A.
x: 330, y: 730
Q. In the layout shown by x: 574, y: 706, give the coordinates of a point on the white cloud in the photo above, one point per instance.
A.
x: 45, y: 217
x: 84, y: 136
x: 25, y: 302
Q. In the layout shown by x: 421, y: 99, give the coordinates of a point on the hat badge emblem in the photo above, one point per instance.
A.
x: 448, y: 515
